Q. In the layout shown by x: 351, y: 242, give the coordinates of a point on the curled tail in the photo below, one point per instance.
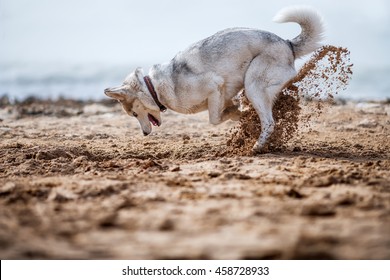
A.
x: 311, y: 24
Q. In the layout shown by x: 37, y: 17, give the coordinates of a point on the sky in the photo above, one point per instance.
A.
x: 110, y: 32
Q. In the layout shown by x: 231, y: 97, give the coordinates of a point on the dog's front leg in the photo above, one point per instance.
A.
x: 216, y: 104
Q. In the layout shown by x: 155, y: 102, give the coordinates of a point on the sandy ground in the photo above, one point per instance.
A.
x: 78, y: 181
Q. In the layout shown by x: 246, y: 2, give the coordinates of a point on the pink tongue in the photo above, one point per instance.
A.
x: 152, y: 120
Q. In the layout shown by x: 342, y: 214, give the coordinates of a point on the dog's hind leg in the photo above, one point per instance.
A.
x: 264, y: 79
x: 262, y: 100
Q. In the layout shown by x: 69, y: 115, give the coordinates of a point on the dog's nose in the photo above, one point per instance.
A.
x: 107, y: 90
x: 145, y: 133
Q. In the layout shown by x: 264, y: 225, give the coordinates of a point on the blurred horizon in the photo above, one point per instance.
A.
x: 77, y: 48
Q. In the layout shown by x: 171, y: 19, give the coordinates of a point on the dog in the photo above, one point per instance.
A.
x: 210, y: 73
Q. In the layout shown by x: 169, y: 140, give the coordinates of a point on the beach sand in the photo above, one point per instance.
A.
x: 79, y: 181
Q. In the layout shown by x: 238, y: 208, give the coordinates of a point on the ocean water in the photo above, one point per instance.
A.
x: 87, y: 82
x: 76, y: 49
x: 81, y: 82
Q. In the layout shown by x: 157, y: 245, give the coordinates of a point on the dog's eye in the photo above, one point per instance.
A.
x: 135, y: 114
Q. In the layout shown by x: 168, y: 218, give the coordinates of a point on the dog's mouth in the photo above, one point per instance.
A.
x: 154, y: 120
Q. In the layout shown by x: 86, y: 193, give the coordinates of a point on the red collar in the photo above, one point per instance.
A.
x: 153, y: 93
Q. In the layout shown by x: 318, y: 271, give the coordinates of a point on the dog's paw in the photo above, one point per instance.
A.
x: 259, y: 149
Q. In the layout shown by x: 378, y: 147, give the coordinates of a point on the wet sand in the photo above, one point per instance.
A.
x: 79, y: 181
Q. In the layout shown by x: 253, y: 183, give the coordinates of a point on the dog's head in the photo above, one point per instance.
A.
x: 137, y: 101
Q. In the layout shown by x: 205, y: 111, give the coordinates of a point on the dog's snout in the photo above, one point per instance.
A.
x: 107, y: 90
x: 146, y: 133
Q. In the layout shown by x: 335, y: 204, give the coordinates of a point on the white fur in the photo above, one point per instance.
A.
x: 312, y: 28
x: 210, y: 73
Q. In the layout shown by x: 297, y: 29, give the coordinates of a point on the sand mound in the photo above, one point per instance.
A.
x: 326, y: 73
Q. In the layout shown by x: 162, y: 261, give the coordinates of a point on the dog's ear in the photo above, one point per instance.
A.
x: 139, y: 74
x: 135, y: 80
x: 118, y: 93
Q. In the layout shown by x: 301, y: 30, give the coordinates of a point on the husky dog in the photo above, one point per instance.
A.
x: 210, y: 73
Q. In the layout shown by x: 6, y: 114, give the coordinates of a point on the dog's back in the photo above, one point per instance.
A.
x: 229, y: 52
x: 231, y: 48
